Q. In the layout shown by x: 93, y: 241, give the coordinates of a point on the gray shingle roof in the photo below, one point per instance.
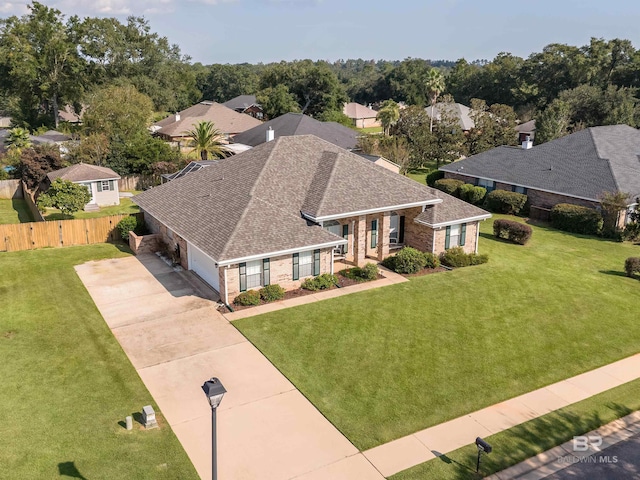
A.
x: 585, y: 164
x: 461, y: 112
x: 251, y: 203
x: 82, y: 172
x: 241, y: 102
x: 291, y: 124
x: 450, y: 211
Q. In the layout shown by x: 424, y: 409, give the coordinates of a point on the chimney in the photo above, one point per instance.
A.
x: 270, y: 134
x: 527, y: 144
x: 177, y: 117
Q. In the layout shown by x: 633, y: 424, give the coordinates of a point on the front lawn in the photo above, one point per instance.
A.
x: 14, y: 211
x: 66, y: 383
x: 388, y: 362
x: 126, y: 207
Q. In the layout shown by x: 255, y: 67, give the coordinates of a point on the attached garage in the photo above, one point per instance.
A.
x: 204, y: 266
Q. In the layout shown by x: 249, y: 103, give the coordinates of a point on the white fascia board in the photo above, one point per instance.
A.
x: 477, y: 218
x: 372, y: 210
x: 338, y: 241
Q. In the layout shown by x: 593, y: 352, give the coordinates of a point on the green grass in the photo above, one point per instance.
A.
x: 370, y: 130
x: 126, y: 206
x: 66, y: 383
x: 14, y: 211
x: 388, y: 362
x: 531, y: 438
x: 420, y: 174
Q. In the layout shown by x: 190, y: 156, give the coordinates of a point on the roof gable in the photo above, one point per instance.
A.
x: 83, y: 172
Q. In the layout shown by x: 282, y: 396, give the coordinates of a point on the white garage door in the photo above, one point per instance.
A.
x: 204, y: 266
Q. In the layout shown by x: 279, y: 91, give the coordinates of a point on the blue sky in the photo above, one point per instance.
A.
x: 235, y: 31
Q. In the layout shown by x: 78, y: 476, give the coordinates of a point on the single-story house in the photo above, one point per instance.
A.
x: 228, y: 121
x: 526, y: 129
x: 460, y: 112
x: 287, y: 209
x: 102, y: 183
x: 246, y: 104
x: 361, y: 116
x: 299, y: 124
x: 577, y: 169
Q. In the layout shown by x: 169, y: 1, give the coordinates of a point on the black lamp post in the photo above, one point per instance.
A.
x: 214, y: 391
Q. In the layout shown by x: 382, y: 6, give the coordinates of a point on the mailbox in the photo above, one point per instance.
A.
x: 483, y: 446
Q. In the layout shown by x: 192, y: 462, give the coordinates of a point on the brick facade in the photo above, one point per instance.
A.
x: 169, y: 237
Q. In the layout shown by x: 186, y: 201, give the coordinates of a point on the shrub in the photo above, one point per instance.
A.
x: 576, y: 219
x: 271, y: 293
x: 449, y: 185
x: 631, y: 232
x: 369, y: 271
x: 321, y: 282
x: 434, y: 176
x: 455, y: 257
x: 431, y: 260
x: 513, y: 231
x: 632, y: 266
x: 503, y: 201
x: 408, y: 260
x: 126, y: 225
x: 250, y: 297
x: 478, y: 258
x: 472, y: 194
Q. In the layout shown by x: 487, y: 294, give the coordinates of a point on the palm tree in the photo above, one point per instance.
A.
x: 207, y: 139
x: 17, y: 139
x: 388, y: 114
x: 435, y: 86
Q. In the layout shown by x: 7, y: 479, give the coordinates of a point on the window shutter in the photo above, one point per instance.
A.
x: 266, y: 273
x: 447, y: 239
x: 111, y: 185
x: 316, y: 262
x: 401, y: 228
x: 243, y: 277
x: 374, y: 233
x: 345, y: 235
x: 296, y: 268
x: 99, y: 186
x: 463, y: 234
x: 513, y: 188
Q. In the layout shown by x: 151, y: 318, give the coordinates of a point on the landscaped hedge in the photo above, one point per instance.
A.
x: 367, y: 273
x: 433, y: 176
x: 632, y: 266
x: 513, y: 231
x: 503, y: 201
x: 449, y: 185
x: 472, y: 193
x: 576, y: 219
x: 248, y: 298
x: 272, y: 292
x: 410, y: 260
x: 456, y: 257
x: 321, y: 282
x: 129, y: 224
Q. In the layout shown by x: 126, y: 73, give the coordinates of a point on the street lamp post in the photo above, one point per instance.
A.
x: 214, y: 390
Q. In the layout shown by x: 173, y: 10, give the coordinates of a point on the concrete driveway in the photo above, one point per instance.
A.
x: 167, y: 323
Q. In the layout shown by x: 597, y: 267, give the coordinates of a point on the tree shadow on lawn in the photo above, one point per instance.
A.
x: 614, y: 273
x: 68, y: 469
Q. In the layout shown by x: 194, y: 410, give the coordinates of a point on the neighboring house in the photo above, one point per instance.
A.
x: 383, y: 162
x: 101, y: 182
x: 527, y: 129
x: 246, y: 104
x: 285, y: 210
x: 52, y: 137
x: 575, y: 169
x: 5, y: 122
x: 291, y: 124
x: 460, y: 112
x: 68, y: 114
x: 228, y: 121
x: 361, y: 116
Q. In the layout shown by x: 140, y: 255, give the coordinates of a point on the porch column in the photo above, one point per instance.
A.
x: 383, y: 235
x: 360, y: 240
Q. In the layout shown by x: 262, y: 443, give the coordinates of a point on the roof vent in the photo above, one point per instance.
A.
x: 527, y: 144
x: 270, y: 134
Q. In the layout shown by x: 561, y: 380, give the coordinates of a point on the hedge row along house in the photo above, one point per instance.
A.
x: 289, y: 208
x: 576, y: 169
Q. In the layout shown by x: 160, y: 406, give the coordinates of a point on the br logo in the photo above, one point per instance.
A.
x: 581, y: 443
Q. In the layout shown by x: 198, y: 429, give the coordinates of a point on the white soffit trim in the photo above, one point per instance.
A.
x: 456, y: 222
x: 304, y: 248
x: 372, y: 210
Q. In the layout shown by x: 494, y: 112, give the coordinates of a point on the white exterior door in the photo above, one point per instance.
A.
x: 204, y: 266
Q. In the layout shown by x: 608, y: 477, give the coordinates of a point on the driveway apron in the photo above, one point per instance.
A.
x: 167, y: 323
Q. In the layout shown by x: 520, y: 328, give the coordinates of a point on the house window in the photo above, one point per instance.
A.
x: 490, y: 185
x: 517, y: 189
x: 250, y: 275
x: 105, y: 186
x: 396, y: 229
x: 305, y: 262
x: 456, y: 236
x: 374, y: 233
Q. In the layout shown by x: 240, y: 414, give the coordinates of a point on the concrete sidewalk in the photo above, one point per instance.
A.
x: 390, y: 278
x: 170, y: 329
x: 564, y: 456
x: 425, y: 445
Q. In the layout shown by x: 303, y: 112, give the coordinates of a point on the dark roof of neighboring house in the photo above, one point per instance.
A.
x: 241, y: 102
x: 50, y: 136
x: 225, y: 119
x: 83, y: 172
x: 255, y: 203
x: 190, y: 168
x: 355, y: 110
x: 585, y: 164
x: 460, y: 112
x: 291, y: 124
x: 526, y: 127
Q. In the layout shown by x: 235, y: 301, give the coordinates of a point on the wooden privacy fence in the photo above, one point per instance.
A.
x: 60, y: 233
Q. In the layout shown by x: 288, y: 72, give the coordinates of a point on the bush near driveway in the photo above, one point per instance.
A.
x: 248, y: 298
